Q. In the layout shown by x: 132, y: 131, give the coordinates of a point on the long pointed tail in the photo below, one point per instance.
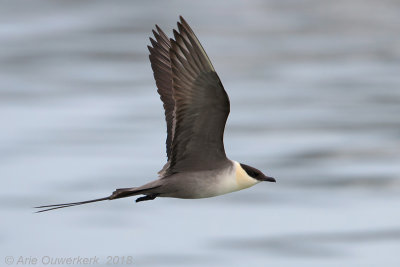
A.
x: 119, y: 193
x: 65, y: 205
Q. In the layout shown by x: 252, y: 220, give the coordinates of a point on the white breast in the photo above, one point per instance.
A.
x: 233, y: 180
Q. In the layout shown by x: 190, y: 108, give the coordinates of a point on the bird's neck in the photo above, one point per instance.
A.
x: 243, y: 180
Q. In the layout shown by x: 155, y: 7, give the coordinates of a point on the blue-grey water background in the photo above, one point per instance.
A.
x: 315, y: 101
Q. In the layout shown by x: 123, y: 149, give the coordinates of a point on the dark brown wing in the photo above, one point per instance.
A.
x: 161, y: 65
x: 201, y: 106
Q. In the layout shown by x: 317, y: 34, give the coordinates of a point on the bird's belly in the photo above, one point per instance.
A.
x: 231, y: 183
x: 207, y: 184
x: 214, y: 186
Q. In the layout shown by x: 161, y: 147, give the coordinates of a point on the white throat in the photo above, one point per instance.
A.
x: 233, y: 180
x: 243, y: 180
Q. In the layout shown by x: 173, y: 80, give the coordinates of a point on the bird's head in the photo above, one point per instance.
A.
x: 256, y: 174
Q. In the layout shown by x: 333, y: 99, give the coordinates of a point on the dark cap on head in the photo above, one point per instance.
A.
x: 256, y: 174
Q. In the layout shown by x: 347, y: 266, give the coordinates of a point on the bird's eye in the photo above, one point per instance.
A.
x: 254, y: 174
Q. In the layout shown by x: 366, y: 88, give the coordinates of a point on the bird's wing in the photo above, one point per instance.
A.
x: 201, y: 106
x: 161, y: 65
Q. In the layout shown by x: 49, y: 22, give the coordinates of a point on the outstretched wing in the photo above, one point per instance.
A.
x: 161, y: 65
x: 201, y: 106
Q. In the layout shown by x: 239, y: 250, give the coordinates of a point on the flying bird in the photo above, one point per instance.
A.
x: 196, y: 109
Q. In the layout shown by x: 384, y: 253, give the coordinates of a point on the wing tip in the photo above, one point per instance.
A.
x: 158, y: 28
x: 182, y: 19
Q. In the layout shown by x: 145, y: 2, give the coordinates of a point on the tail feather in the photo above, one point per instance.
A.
x: 65, y: 205
x: 119, y: 193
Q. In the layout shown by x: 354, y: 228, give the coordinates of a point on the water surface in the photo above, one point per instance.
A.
x: 315, y: 102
